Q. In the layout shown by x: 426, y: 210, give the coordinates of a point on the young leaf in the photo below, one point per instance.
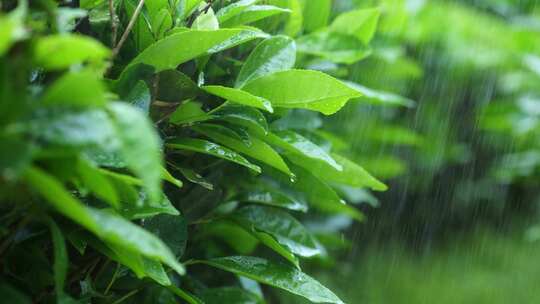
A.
x: 178, y: 48
x: 258, y: 150
x: 196, y: 178
x: 139, y: 145
x: 166, y: 175
x: 303, y: 89
x: 210, y: 148
x: 239, y: 96
x: 272, y: 55
x: 277, y: 275
x: 361, y: 23
x: 206, y: 21
x: 79, y: 89
x: 55, y: 52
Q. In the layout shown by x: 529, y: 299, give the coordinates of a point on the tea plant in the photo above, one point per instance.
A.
x: 154, y: 151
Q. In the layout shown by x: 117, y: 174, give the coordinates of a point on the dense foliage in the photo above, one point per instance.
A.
x: 171, y: 150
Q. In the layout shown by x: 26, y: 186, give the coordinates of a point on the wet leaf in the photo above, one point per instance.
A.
x: 239, y: 96
x: 210, y: 148
x: 258, y: 149
x: 277, y: 275
x: 284, y: 228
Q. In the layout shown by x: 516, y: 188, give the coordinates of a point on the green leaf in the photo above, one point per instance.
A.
x: 161, y: 22
x: 246, y: 34
x: 139, y: 145
x: 274, y: 54
x: 55, y: 52
x: 79, y: 89
x: 166, y: 175
x: 12, y: 26
x: 210, y: 148
x: 108, y: 226
x: 316, y: 14
x: 233, y: 9
x: 321, y: 196
x: 175, y: 86
x: 336, y: 47
x: 143, y: 207
x: 172, y: 229
x: 303, y: 89
x: 277, y: 275
x: 178, y: 48
x: 361, y: 23
x: 352, y: 175
x: 285, y: 229
x: 381, y: 97
x: 60, y: 265
x: 207, y: 20
x: 90, y: 128
x: 196, y: 178
x: 97, y: 182
x: 189, y: 112
x: 140, y: 97
x: 272, y: 198
x: 239, y: 96
x: 254, y: 13
x: 142, y: 30
x: 229, y: 295
x: 258, y: 149
x: 302, y: 148
x: 248, y: 117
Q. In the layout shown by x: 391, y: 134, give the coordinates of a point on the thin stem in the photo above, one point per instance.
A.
x: 112, y: 279
x: 129, y: 294
x: 128, y: 28
x: 114, y: 25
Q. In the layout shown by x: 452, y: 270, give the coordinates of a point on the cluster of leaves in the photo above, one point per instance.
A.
x: 142, y: 137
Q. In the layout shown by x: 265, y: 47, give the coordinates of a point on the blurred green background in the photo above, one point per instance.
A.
x: 459, y: 224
